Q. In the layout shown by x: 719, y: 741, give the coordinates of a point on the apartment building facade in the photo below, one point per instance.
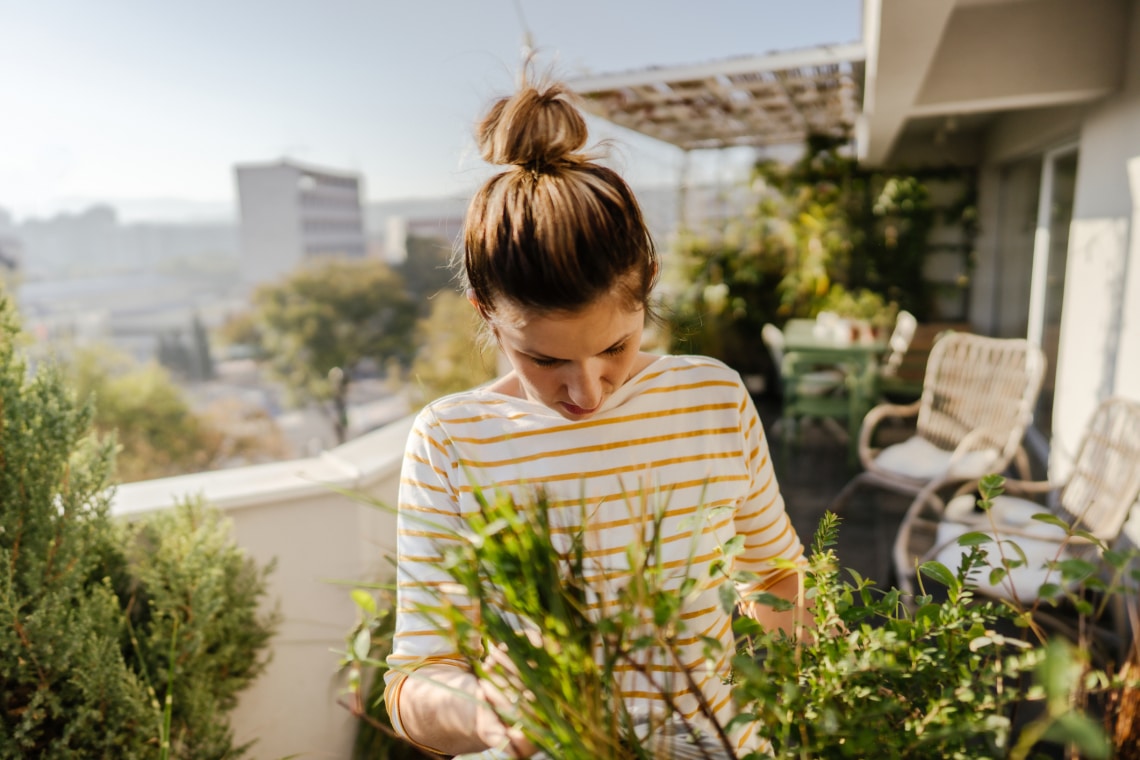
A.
x: 292, y: 213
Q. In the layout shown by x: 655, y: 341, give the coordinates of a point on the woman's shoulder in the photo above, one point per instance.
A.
x: 471, y: 406
x: 686, y: 367
x: 678, y: 378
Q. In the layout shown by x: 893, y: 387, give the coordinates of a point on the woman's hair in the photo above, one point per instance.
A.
x: 556, y: 230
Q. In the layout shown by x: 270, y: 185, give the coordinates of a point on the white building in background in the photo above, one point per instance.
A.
x: 291, y: 213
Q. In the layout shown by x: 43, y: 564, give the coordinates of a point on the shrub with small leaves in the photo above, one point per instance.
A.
x: 198, y: 635
x: 885, y: 676
x: 93, y: 613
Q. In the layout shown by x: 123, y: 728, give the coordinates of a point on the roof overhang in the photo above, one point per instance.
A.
x: 948, y: 59
x: 768, y: 100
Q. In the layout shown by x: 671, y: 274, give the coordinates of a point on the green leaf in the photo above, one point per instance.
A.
x: 746, y: 626
x: 928, y: 612
x: 1056, y: 671
x: 362, y: 644
x: 1080, y: 730
x: 974, y: 538
x: 991, y: 486
x: 1051, y: 519
x: 734, y: 546
x: 1116, y: 559
x: 1016, y: 547
x: 940, y: 573
x: 1075, y: 569
x: 1086, y: 535
x: 364, y: 600
x: 771, y: 600
x: 687, y: 586
x: 728, y: 597
x: 980, y: 642
x: 997, y: 575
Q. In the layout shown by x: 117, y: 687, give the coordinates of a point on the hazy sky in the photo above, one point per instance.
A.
x: 128, y: 101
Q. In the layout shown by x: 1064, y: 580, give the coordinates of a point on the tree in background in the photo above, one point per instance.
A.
x: 450, y: 357
x: 101, y: 622
x: 326, y: 323
x: 188, y: 360
x: 157, y: 432
x: 426, y: 270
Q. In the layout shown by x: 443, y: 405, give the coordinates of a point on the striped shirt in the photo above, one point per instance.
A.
x: 682, y: 435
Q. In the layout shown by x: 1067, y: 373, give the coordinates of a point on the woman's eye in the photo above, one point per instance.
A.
x: 615, y: 350
x: 544, y: 362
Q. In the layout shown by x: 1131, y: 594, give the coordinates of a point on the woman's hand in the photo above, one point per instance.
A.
x: 501, y: 691
x: 493, y: 730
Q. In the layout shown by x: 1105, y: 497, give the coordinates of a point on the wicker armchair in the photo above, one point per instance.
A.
x: 1097, y: 497
x: 977, y: 400
x: 891, y: 383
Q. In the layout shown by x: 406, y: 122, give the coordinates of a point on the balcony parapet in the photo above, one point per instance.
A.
x: 299, y: 513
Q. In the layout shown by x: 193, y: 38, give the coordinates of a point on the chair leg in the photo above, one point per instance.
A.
x: 1021, y: 462
x: 841, y: 499
x: 900, y: 556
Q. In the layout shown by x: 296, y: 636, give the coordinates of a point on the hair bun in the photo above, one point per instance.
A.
x: 532, y: 128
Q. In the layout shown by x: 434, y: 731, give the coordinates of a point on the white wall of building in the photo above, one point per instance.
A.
x: 270, y: 222
x: 1100, y: 332
x: 291, y: 213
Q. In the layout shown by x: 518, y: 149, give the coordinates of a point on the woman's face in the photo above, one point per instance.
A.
x: 572, y: 362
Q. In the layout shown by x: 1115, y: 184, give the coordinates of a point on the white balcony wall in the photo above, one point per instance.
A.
x: 322, y: 540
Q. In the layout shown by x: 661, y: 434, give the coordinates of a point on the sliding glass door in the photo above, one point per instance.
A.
x: 1050, y: 260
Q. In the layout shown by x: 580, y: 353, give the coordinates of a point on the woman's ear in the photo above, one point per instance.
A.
x: 478, y: 306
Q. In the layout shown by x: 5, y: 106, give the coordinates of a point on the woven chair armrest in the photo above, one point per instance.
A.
x: 872, y: 419
x: 1014, y: 486
x: 977, y: 439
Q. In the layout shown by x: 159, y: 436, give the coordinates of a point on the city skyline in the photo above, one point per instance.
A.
x: 148, y: 107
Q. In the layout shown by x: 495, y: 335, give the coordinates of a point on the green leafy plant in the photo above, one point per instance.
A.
x: 819, y: 223
x: 941, y: 674
x: 863, y: 305
x: 118, y: 641
x: 886, y: 676
x: 198, y: 633
x: 368, y: 644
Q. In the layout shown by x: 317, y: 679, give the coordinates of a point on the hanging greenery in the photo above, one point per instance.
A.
x: 818, y: 231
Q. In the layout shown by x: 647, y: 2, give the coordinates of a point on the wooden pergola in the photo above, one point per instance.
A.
x: 759, y: 101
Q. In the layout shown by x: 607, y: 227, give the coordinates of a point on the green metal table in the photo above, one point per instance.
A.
x: 810, y: 345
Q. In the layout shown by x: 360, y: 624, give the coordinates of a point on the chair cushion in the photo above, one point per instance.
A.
x: 1025, y: 580
x: 920, y: 459
x: 819, y: 382
x: 1006, y: 511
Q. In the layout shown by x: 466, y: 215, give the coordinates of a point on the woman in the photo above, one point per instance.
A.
x: 560, y: 266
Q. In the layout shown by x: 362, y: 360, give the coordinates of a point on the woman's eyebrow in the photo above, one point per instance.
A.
x: 618, y: 342
x: 547, y: 357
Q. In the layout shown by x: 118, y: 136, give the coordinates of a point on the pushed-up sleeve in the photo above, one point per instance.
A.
x: 762, y: 518
x: 429, y: 519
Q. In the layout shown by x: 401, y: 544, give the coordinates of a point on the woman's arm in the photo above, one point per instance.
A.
x: 449, y: 710
x: 798, y: 620
x: 769, y: 536
x: 432, y: 695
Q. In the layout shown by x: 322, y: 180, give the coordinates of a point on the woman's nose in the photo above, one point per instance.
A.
x: 584, y: 387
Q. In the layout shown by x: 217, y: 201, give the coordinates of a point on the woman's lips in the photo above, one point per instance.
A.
x: 578, y: 411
